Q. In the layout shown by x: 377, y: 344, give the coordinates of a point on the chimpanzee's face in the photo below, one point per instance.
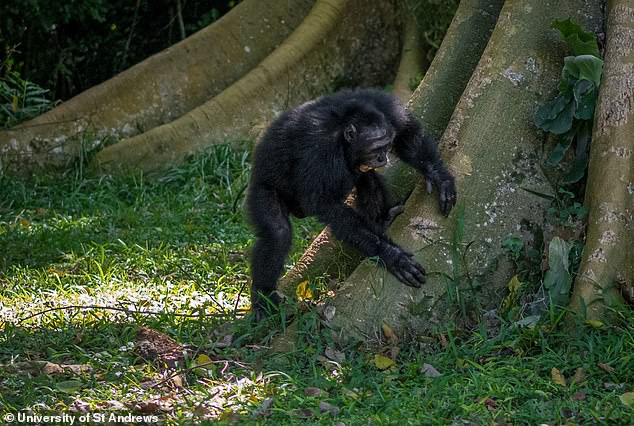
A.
x: 370, y: 137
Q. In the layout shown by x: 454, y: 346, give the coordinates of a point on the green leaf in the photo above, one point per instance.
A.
x: 561, y: 148
x: 580, y: 163
x: 590, y: 68
x: 558, y: 279
x: 556, y: 116
x: 585, y: 93
x: 69, y: 386
x: 578, y: 41
x: 627, y: 399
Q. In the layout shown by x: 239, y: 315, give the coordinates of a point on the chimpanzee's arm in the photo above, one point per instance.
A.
x: 348, y: 227
x: 420, y: 151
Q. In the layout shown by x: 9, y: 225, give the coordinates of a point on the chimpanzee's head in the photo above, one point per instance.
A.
x: 367, y: 138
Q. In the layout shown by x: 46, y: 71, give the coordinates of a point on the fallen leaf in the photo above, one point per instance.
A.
x: 177, y: 381
x: 112, y: 405
x: 149, y: 407
x: 594, y: 323
x: 69, y: 386
x: 443, y: 341
x: 605, y: 367
x: 614, y: 385
x: 265, y: 409
x: 382, y: 362
x: 389, y: 334
x: 79, y: 406
x: 627, y: 399
x: 491, y: 404
x: 579, y: 396
x: 334, y: 354
x: 201, y: 364
x: 52, y: 368
x: 430, y: 371
x: 325, y: 408
x: 225, y: 342
x: 394, y: 351
x: 579, y: 376
x: 315, y: 392
x: 329, y: 312
x: 303, y: 413
x: 303, y: 291
x: 557, y: 377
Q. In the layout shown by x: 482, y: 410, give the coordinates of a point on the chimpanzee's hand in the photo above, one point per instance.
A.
x: 447, y: 193
x: 402, y: 265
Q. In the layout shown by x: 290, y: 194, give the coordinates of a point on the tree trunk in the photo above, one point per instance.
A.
x: 433, y: 103
x: 353, y: 41
x: 492, y: 146
x: 607, y: 259
x: 159, y: 89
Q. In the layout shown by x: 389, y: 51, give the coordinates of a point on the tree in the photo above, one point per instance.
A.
x: 499, y: 62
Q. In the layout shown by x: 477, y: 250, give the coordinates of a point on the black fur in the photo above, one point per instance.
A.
x: 310, y: 159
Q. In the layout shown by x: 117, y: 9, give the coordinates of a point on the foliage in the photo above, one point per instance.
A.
x: 433, y: 18
x: 71, y: 46
x: 20, y: 100
x: 570, y: 114
x: 175, y: 247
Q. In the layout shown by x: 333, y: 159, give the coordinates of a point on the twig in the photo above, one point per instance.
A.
x: 179, y: 15
x: 187, y: 370
x: 113, y: 308
x: 127, y: 43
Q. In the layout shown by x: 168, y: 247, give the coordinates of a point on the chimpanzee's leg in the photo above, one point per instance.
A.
x: 274, y: 236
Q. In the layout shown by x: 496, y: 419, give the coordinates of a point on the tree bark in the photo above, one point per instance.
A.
x: 492, y: 147
x: 159, y: 89
x: 433, y: 103
x: 354, y: 40
x: 607, y: 259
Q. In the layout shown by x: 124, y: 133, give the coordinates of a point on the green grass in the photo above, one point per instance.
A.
x: 175, y: 247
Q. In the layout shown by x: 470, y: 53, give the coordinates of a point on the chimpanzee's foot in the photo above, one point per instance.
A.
x: 264, y: 305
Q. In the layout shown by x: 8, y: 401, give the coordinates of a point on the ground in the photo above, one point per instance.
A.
x: 159, y: 253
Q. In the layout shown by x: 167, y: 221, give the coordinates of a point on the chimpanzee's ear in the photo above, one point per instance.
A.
x: 350, y: 133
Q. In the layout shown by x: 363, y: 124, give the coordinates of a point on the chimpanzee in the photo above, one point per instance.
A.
x: 307, y: 163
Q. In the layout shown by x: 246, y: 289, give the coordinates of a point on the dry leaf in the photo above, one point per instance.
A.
x: 614, y: 385
x: 443, y: 341
x: 605, y: 367
x: 382, y: 362
x: 557, y: 377
x: 491, y: 404
x: 394, y: 351
x: 315, y: 392
x: 579, y: 376
x: 579, y: 396
x: 325, y: 408
x: 177, y: 381
x: 225, y: 342
x: 265, y: 409
x: 334, y: 355
x: 389, y: 334
x: 430, y: 371
x: 52, y: 368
